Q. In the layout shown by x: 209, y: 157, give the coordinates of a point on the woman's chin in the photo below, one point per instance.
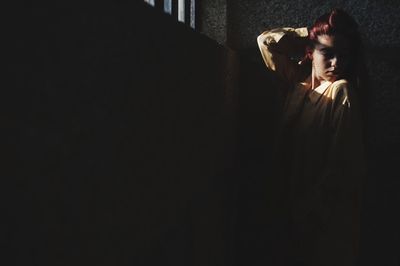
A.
x: 332, y: 78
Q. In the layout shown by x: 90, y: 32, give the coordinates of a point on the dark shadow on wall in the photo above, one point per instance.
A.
x: 121, y: 141
x: 259, y: 104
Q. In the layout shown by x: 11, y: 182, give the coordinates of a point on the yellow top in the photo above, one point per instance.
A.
x: 319, y: 156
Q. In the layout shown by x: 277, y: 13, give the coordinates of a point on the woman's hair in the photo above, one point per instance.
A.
x: 339, y: 22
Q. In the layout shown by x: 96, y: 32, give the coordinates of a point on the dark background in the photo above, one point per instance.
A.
x: 131, y: 139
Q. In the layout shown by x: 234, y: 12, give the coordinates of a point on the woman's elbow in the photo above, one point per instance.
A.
x: 261, y: 39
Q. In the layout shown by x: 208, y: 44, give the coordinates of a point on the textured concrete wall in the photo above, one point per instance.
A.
x: 378, y: 19
x: 213, y: 18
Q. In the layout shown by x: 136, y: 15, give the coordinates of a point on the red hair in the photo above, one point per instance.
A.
x: 338, y: 22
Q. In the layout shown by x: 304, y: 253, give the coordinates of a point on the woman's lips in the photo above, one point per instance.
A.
x: 334, y: 72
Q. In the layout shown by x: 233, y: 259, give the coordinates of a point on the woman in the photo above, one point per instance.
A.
x: 320, y: 160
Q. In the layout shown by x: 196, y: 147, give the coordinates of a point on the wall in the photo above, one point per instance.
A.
x: 213, y: 19
x: 121, y: 135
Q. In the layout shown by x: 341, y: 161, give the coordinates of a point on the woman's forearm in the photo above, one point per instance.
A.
x: 277, y: 46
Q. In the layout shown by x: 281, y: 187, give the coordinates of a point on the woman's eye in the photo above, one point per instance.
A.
x: 327, y: 54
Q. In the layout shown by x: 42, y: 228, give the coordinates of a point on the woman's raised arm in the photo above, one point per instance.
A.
x: 278, y: 45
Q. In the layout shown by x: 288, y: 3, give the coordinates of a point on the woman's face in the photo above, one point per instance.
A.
x: 331, y: 57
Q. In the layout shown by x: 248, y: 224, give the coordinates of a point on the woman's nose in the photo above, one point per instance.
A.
x: 334, y: 61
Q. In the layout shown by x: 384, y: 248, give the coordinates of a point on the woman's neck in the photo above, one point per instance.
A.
x: 313, y: 82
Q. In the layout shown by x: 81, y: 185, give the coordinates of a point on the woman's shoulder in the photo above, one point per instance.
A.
x: 341, y: 86
x: 341, y: 92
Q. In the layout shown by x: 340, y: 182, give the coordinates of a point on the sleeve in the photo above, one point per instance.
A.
x: 346, y: 153
x: 278, y: 45
x: 341, y: 186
